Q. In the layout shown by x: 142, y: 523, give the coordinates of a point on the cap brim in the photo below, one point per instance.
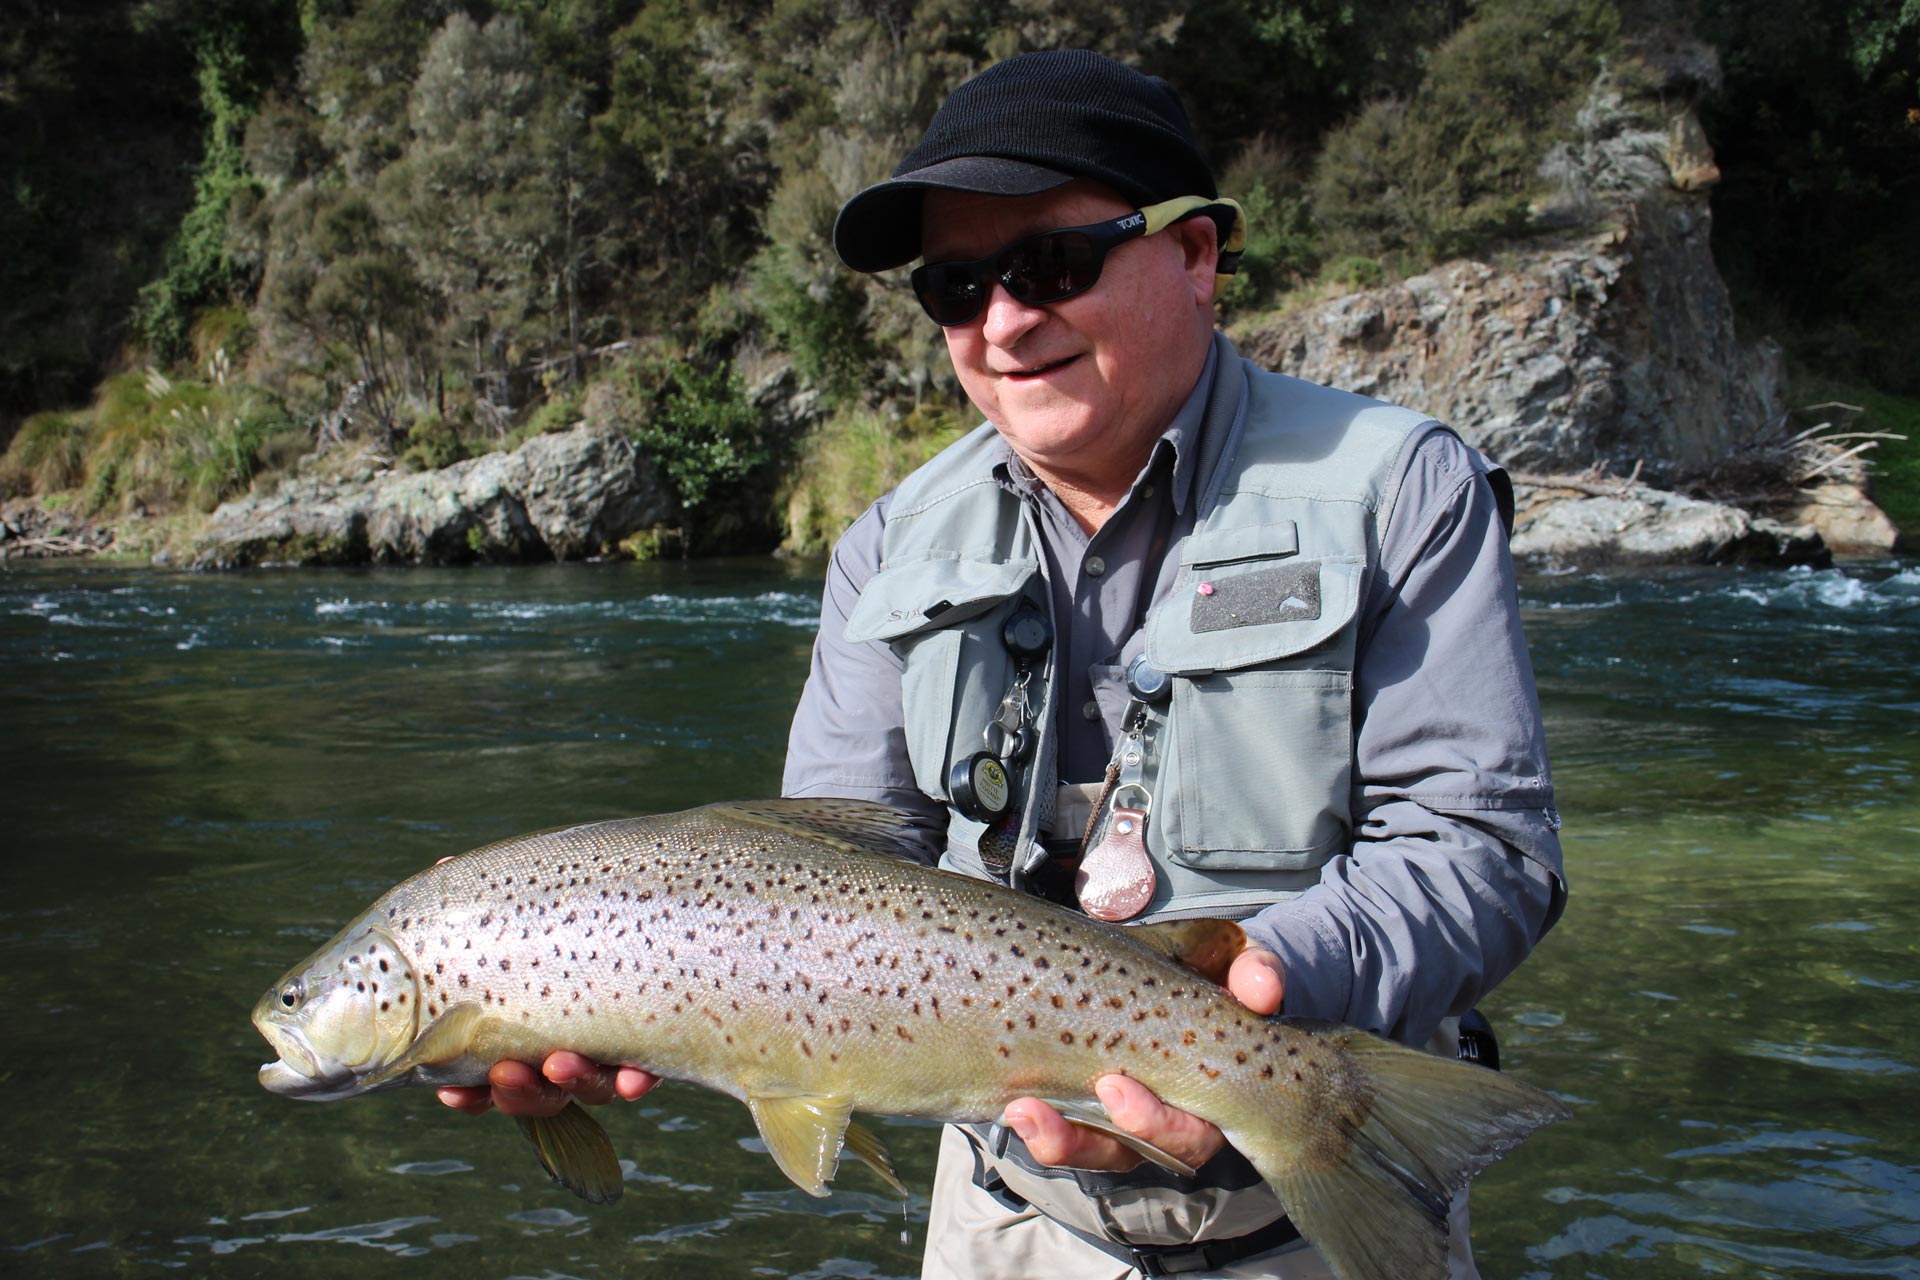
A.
x: 879, y: 229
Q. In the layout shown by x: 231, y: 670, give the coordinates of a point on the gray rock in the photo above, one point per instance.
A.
x: 563, y: 496
x: 1587, y: 525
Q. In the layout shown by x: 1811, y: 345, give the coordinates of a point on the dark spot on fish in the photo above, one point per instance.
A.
x: 1066, y: 1037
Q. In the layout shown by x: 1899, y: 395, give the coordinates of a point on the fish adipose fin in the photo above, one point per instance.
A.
x: 446, y: 1039
x: 803, y: 1135
x: 576, y: 1152
x: 1208, y: 947
x: 1375, y: 1204
x: 1089, y: 1116
x: 859, y: 825
x: 865, y: 1143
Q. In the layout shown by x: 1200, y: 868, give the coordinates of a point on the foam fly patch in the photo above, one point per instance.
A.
x: 1285, y: 593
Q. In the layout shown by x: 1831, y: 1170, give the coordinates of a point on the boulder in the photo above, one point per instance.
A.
x: 1846, y: 519
x: 1563, y: 521
x: 564, y: 496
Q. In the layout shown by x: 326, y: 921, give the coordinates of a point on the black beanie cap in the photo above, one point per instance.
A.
x: 1026, y: 125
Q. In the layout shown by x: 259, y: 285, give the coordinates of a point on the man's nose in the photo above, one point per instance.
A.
x: 1006, y: 318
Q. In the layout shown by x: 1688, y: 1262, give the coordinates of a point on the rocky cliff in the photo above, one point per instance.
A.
x: 1604, y: 347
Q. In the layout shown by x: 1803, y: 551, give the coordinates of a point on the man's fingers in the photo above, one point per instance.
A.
x: 1257, y: 981
x: 519, y: 1090
x: 632, y: 1083
x: 1051, y: 1140
x: 581, y: 1077
x: 1134, y: 1108
x: 471, y: 1100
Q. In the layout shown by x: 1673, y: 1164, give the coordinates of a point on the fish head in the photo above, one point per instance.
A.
x: 343, y: 1014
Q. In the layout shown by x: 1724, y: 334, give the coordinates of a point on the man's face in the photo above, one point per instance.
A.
x: 1079, y: 388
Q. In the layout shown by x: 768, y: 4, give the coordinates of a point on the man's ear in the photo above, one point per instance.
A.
x: 1199, y: 240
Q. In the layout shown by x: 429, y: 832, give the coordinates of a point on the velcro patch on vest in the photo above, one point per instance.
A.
x: 1285, y: 593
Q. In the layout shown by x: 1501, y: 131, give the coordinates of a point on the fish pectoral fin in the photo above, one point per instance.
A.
x: 446, y: 1039
x: 576, y: 1153
x: 1208, y: 947
x: 865, y: 1143
x: 1089, y: 1116
x: 804, y: 1136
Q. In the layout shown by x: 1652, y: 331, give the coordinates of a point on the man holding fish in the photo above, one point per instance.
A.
x: 1169, y: 637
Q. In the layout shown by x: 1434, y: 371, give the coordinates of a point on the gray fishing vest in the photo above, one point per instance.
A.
x: 1250, y: 762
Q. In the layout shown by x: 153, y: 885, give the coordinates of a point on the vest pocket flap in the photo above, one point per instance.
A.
x: 1224, y: 616
x: 904, y: 599
x: 1254, y: 542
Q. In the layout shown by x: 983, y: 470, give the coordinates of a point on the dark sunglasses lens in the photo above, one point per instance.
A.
x: 1049, y: 268
x: 950, y: 292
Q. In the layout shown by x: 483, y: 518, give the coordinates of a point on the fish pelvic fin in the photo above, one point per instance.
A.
x: 1208, y: 947
x: 804, y: 1135
x: 857, y: 825
x: 576, y: 1153
x: 865, y: 1143
x: 1089, y: 1116
x: 445, y: 1039
x: 1377, y: 1208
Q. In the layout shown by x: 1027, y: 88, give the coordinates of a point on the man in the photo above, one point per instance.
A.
x: 1168, y: 637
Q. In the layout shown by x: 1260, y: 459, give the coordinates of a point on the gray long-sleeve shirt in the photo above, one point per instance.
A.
x: 1454, y: 872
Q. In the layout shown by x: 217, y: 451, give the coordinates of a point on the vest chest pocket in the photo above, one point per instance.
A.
x: 943, y: 616
x: 1257, y: 763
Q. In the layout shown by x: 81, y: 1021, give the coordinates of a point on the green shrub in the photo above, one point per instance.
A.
x: 852, y: 458
x: 1454, y: 168
x: 700, y: 428
x: 1283, y: 247
x: 48, y: 453
x: 433, y: 443
x: 820, y: 327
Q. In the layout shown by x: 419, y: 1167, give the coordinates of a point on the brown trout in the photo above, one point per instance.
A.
x: 777, y: 951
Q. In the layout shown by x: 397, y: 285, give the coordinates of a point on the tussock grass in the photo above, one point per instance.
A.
x: 851, y: 459
x: 153, y: 444
x: 48, y: 454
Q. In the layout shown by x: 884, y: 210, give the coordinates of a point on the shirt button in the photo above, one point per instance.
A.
x: 1092, y: 710
x: 1094, y: 566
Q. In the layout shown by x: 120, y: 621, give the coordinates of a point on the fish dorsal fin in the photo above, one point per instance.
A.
x: 1207, y: 947
x: 444, y: 1040
x: 576, y: 1152
x: 866, y: 1144
x: 803, y: 1135
x: 1088, y: 1116
x: 859, y: 825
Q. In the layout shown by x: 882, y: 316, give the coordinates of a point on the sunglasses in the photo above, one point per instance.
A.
x: 1055, y: 265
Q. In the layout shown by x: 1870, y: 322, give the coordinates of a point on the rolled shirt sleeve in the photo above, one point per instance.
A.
x: 849, y: 735
x: 1455, y: 869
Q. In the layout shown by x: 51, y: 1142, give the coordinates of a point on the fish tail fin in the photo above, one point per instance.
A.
x: 1377, y: 1210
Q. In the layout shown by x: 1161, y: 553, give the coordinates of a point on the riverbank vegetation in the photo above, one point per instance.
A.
x: 242, y: 234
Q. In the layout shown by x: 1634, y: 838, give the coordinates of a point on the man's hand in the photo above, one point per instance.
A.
x: 1256, y: 981
x: 518, y: 1090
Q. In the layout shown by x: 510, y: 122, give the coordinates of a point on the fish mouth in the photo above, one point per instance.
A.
x: 291, y: 1082
x: 297, y: 1073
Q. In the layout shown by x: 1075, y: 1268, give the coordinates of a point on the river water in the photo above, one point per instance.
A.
x: 203, y: 777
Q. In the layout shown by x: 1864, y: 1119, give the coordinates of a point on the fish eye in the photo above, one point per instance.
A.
x: 293, y: 993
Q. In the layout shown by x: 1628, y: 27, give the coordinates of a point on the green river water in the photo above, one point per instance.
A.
x: 203, y: 777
